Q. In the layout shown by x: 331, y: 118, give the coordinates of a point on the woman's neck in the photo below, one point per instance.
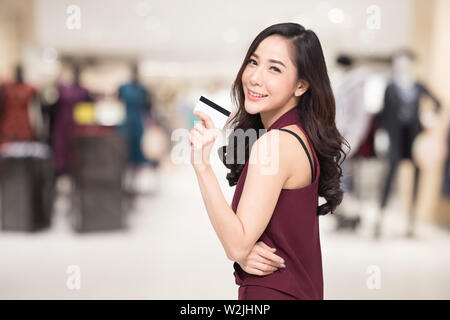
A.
x: 269, y: 117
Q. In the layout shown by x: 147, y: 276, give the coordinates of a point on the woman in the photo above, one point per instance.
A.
x: 282, y: 88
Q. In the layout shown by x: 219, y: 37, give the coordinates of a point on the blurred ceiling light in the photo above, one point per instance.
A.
x: 152, y: 23
x: 49, y: 54
x: 143, y: 8
x: 336, y: 15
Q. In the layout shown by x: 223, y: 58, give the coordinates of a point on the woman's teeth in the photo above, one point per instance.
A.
x: 257, y: 95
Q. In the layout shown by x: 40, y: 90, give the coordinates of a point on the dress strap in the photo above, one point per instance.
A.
x: 306, y: 150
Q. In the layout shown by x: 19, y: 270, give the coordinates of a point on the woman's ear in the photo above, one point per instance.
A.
x: 302, y: 87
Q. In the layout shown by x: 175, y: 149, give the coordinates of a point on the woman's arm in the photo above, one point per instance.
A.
x: 261, y: 261
x: 266, y: 174
x: 227, y: 225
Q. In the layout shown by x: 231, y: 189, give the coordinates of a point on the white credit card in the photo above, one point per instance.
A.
x: 218, y: 114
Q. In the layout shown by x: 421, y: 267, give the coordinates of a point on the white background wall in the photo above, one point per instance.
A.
x: 215, y: 29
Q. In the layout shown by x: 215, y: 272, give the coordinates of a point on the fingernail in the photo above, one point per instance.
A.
x: 282, y: 261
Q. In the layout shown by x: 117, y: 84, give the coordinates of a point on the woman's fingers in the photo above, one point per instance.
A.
x: 270, y: 256
x: 258, y: 268
x: 197, y: 134
x: 262, y: 244
x: 207, y: 120
x: 194, y: 138
x: 202, y: 134
x: 199, y: 127
x: 257, y: 257
x: 264, y: 267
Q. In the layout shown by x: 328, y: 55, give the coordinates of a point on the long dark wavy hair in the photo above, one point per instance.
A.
x: 316, y: 108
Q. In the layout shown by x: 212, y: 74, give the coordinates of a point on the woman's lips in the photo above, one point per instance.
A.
x: 253, y: 98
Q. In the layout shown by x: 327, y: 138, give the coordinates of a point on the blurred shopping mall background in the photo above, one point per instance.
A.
x: 98, y: 202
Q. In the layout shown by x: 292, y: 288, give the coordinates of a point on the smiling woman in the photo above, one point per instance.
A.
x: 282, y: 88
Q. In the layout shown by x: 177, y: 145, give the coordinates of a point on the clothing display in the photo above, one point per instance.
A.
x: 357, y: 126
x: 352, y: 119
x: 69, y: 96
x: 97, y: 166
x: 293, y: 230
x: 400, y: 118
x: 14, y: 118
x: 32, y: 178
x: 367, y: 147
x: 135, y: 97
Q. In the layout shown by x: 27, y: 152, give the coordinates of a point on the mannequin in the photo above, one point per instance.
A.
x: 15, y: 98
x: 76, y: 71
x: 68, y: 96
x: 25, y: 169
x: 18, y: 74
x: 352, y: 121
x: 138, y: 106
x: 400, y: 118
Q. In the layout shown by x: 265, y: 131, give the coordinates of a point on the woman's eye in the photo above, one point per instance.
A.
x: 275, y: 68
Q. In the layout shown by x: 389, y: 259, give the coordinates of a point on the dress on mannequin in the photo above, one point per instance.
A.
x: 15, y: 98
x: 135, y: 97
x: 353, y: 122
x: 69, y: 96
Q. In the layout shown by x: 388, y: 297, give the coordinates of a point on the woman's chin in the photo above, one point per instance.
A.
x: 251, y: 108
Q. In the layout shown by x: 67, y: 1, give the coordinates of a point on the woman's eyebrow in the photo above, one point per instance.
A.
x: 270, y: 60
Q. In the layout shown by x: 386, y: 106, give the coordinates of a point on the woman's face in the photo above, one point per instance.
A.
x: 271, y: 73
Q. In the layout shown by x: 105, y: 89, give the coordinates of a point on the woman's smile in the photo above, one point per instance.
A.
x: 253, y: 96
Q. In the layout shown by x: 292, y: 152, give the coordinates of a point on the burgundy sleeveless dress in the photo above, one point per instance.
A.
x: 294, y: 231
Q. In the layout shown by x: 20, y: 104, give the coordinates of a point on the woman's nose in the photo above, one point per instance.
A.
x: 256, y: 77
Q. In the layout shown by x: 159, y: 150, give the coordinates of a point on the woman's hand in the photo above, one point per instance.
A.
x: 262, y: 260
x: 202, y: 138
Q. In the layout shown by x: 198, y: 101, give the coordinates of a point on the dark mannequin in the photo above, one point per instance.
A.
x: 76, y: 75
x: 62, y: 119
x: 18, y: 77
x: 134, y: 73
x: 137, y: 102
x: 400, y: 118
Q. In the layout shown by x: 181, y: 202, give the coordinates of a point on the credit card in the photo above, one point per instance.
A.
x: 218, y: 114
